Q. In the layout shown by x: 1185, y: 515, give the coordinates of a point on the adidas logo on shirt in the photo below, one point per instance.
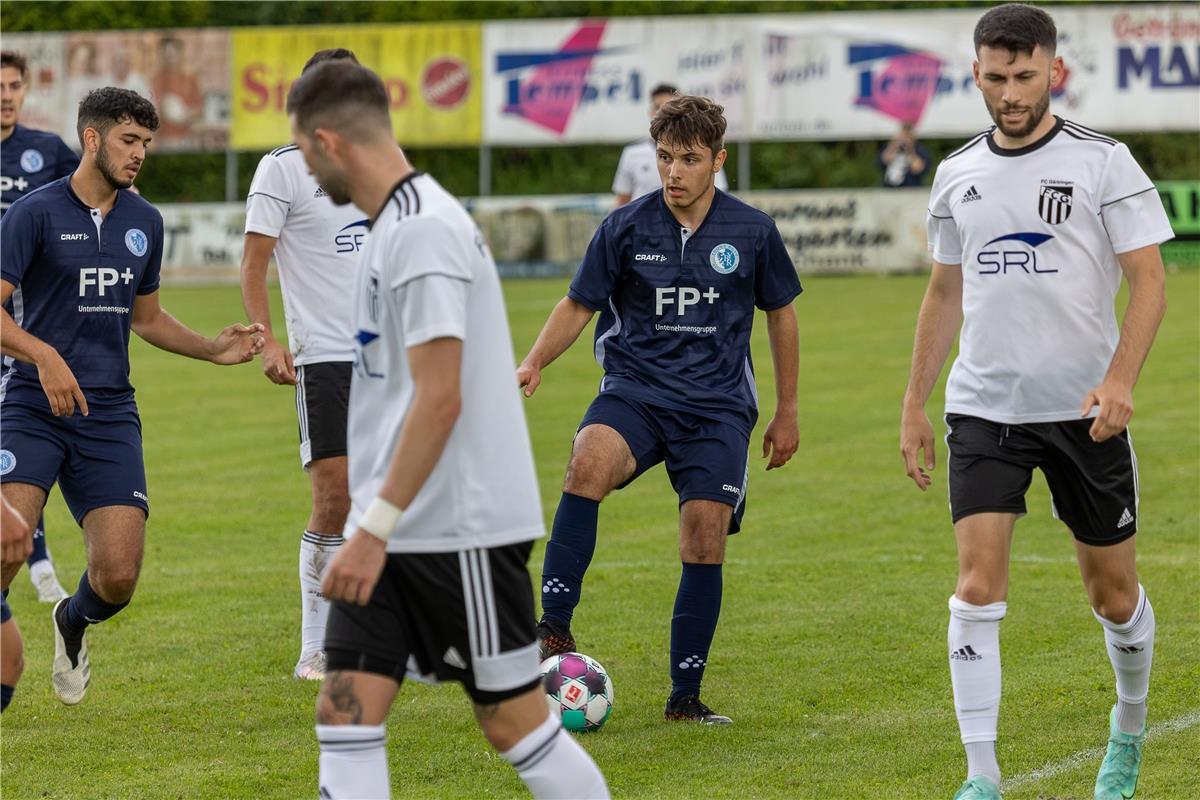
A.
x: 320, y: 192
x: 971, y: 194
x: 1126, y: 519
x: 965, y: 654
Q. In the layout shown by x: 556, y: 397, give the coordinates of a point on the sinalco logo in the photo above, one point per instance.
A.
x: 724, y: 258
x: 32, y: 161
x: 136, y: 241
x: 7, y: 462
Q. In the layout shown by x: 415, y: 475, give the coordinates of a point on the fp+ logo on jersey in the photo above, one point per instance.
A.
x: 724, y: 258
x: 136, y: 241
x: 32, y: 161
x: 8, y: 462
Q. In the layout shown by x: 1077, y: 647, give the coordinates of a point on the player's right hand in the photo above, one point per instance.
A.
x: 916, y: 435
x: 16, y: 537
x: 277, y: 363
x: 354, y: 571
x: 528, y: 378
x: 60, y: 386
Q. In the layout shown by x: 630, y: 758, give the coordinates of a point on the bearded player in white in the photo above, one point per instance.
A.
x: 1031, y: 225
x: 432, y: 579
x: 316, y: 246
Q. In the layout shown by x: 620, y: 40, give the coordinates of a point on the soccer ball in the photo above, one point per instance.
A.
x: 578, y: 691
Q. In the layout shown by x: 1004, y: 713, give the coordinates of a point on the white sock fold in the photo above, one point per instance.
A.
x: 353, y: 763
x: 973, y: 640
x: 1130, y: 648
x: 554, y: 766
x: 316, y: 551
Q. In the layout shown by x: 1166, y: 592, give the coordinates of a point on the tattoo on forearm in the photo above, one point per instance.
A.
x: 486, y: 712
x: 339, y: 691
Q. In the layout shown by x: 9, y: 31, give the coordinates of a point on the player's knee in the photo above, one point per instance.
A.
x: 328, y: 713
x: 330, y: 509
x: 1118, y: 607
x: 979, y: 590
x: 115, y: 584
x: 585, y: 478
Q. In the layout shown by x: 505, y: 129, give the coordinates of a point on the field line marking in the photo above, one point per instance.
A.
x: 1094, y: 754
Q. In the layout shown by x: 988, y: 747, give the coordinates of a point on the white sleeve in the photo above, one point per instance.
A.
x: 944, y: 242
x: 432, y: 306
x: 1130, y: 207
x: 623, y: 180
x: 270, y: 198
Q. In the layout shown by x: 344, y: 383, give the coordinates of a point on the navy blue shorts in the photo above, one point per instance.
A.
x: 706, y: 459
x: 97, y: 459
x: 5, y: 611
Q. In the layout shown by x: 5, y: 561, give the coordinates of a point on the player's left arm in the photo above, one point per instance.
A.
x: 1143, y: 270
x: 234, y: 345
x: 782, y: 436
x: 436, y: 368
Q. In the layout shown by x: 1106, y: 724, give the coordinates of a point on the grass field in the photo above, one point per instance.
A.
x: 830, y: 655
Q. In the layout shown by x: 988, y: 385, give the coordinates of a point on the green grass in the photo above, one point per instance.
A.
x: 830, y: 655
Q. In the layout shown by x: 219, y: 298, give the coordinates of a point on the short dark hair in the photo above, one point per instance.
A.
x: 688, y: 119
x: 1017, y: 28
x: 339, y: 94
x: 339, y: 53
x: 11, y: 58
x: 664, y: 88
x: 103, y: 108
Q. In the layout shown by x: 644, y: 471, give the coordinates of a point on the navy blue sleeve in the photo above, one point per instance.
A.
x: 775, y: 280
x: 149, y: 284
x: 596, y: 277
x: 67, y: 161
x: 20, y: 241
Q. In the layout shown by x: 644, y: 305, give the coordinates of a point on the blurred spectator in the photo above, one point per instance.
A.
x: 83, y: 71
x: 637, y: 171
x: 123, y: 74
x: 176, y: 92
x: 903, y: 160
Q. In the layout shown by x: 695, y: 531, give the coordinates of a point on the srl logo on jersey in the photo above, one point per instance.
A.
x: 136, y: 241
x: 724, y: 258
x: 32, y: 161
x: 1055, y: 201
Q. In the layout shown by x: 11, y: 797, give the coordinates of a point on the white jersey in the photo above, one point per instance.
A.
x: 427, y: 274
x: 637, y: 171
x: 1037, y: 231
x: 317, y: 254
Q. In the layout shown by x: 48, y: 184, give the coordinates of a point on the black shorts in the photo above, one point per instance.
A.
x: 322, y: 404
x: 463, y: 616
x: 1093, y: 486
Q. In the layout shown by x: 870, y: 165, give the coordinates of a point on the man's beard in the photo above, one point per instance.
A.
x: 1036, y: 115
x: 104, y: 165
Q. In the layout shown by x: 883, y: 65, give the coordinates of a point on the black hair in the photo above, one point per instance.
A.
x: 687, y: 120
x: 11, y: 58
x: 340, y: 53
x: 1017, y: 28
x: 103, y: 108
x: 339, y: 94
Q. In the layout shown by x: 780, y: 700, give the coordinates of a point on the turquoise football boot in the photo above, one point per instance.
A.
x: 978, y: 788
x: 1118, y: 776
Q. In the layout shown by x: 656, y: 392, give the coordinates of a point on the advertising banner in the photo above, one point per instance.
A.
x: 184, y: 72
x: 1127, y: 68
x: 431, y: 72
x: 202, y: 240
x: 588, y: 80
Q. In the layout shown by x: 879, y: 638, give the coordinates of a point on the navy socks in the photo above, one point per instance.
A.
x: 85, y: 607
x: 39, y: 552
x: 568, y: 554
x: 697, y: 607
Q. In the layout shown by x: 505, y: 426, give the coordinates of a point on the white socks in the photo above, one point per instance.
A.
x: 316, y: 551
x: 353, y: 763
x: 553, y: 765
x: 973, y: 640
x: 1130, y: 648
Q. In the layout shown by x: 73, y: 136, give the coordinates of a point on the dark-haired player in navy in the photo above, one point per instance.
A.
x: 29, y: 159
x: 80, y: 260
x: 676, y: 275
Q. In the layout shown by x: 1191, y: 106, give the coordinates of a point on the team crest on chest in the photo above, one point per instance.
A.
x: 136, y: 241
x: 32, y: 161
x: 724, y: 258
x: 1055, y: 200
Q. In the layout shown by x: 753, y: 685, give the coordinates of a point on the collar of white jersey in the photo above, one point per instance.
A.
x: 1027, y: 149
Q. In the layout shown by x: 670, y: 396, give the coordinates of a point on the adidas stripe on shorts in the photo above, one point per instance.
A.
x: 1094, y: 486
x: 463, y: 616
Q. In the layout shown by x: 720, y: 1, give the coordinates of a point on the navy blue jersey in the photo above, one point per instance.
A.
x: 677, y: 308
x: 77, y: 276
x: 30, y: 159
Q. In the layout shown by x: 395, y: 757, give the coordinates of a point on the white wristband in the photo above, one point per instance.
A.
x: 380, y: 518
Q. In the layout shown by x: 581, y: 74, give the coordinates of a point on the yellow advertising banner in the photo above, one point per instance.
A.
x: 432, y: 74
